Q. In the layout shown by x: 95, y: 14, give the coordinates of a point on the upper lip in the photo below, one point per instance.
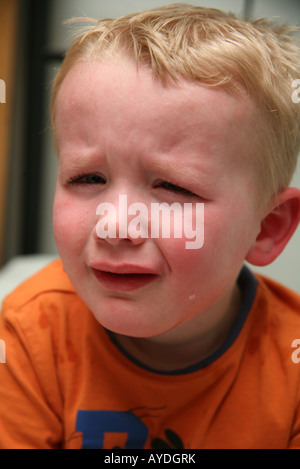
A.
x: 124, y: 269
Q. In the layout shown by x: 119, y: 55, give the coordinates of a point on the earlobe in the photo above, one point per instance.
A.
x: 277, y: 228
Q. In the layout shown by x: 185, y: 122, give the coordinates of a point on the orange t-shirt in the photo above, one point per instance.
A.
x: 67, y: 384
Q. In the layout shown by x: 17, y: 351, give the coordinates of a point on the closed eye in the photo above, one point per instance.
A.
x: 174, y: 188
x: 87, y: 178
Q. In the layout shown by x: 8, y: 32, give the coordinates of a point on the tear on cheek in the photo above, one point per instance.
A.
x: 192, y: 297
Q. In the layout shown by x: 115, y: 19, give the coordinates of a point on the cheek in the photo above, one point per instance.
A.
x: 71, y: 223
x: 229, y: 234
x: 181, y: 260
x: 227, y: 237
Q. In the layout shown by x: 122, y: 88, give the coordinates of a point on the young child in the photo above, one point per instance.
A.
x: 133, y: 340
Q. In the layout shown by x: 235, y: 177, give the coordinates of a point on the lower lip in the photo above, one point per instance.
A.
x: 123, y: 282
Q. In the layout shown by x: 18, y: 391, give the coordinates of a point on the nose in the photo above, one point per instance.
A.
x: 122, y: 222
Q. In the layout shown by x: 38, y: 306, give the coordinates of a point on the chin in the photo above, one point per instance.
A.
x: 125, y: 321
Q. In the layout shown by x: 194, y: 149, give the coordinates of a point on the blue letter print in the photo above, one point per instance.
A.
x: 95, y: 423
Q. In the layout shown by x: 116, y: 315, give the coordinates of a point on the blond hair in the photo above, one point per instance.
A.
x: 212, y: 48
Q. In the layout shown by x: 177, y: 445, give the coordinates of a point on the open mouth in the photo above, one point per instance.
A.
x: 123, y: 282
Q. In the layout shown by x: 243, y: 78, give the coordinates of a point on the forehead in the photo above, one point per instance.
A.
x: 105, y: 96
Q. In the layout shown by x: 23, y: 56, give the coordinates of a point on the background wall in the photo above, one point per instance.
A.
x: 9, y: 16
x: 286, y: 268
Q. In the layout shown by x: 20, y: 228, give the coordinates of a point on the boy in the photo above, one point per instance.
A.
x: 132, y: 340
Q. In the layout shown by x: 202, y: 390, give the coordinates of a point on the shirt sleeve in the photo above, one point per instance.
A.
x: 30, y: 401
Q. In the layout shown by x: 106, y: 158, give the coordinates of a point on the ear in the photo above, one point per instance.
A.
x: 277, y: 228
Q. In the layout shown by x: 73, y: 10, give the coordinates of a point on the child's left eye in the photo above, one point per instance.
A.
x: 89, y: 178
x: 172, y: 187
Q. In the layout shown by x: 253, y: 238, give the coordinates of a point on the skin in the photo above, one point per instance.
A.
x: 131, y: 134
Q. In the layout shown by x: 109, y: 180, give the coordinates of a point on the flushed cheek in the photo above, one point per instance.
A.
x: 184, y: 264
x: 71, y: 226
x: 221, y: 255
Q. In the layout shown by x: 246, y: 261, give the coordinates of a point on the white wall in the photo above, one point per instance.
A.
x: 286, y: 268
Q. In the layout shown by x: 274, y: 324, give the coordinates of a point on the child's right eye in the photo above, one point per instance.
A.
x: 87, y: 178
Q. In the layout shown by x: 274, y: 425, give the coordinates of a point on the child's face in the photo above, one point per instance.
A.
x: 119, y: 132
